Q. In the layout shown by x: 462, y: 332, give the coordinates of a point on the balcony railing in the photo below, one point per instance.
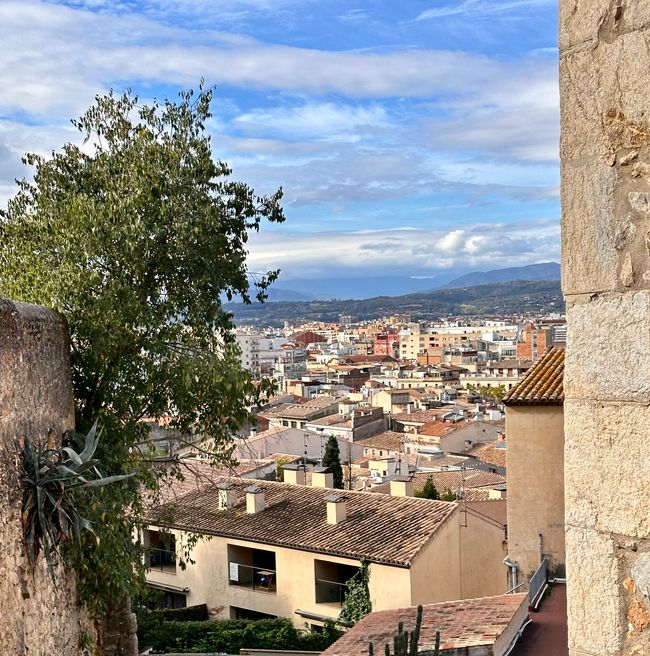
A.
x: 330, y: 592
x: 259, y: 579
x: 162, y: 560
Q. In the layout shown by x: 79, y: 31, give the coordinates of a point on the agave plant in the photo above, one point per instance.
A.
x: 51, y: 478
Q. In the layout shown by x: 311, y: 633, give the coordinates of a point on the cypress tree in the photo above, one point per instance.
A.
x: 332, y: 461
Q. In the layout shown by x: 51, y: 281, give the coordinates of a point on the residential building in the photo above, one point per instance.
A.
x: 249, y: 347
x: 275, y: 549
x: 535, y: 430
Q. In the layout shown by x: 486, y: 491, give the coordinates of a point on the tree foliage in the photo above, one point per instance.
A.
x: 357, y: 601
x: 136, y: 236
x: 332, y: 461
x: 428, y: 490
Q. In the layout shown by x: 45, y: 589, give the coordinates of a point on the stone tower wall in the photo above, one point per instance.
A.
x: 605, y: 150
x: 38, y: 618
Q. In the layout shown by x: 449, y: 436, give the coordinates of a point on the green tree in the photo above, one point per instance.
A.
x: 136, y: 237
x: 332, y: 461
x: 428, y: 490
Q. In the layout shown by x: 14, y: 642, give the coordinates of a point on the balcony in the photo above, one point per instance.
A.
x: 160, y: 553
x: 253, y: 578
x: 253, y: 569
x: 330, y: 592
x: 162, y: 560
x: 331, y: 581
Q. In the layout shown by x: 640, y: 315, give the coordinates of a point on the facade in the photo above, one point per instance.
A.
x: 249, y: 346
x: 535, y: 430
x: 275, y: 549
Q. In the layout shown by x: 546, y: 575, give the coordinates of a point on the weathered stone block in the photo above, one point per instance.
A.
x: 595, y: 605
x: 607, y: 469
x: 608, y: 354
x: 584, y: 22
x: 589, y: 257
x: 603, y: 101
x: 641, y: 574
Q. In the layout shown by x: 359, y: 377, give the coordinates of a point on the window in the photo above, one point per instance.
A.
x: 161, y: 551
x: 252, y: 568
x: 331, y: 580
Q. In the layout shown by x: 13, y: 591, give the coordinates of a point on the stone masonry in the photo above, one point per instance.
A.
x: 38, y: 618
x: 605, y: 150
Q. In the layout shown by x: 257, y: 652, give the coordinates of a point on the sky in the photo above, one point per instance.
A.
x: 413, y: 138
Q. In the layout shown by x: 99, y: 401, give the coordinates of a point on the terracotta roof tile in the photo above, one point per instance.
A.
x: 543, y: 384
x: 387, y: 440
x: 382, y: 528
x: 462, y: 625
x: 468, y: 479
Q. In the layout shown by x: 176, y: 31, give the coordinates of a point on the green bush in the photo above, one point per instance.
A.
x: 164, y: 635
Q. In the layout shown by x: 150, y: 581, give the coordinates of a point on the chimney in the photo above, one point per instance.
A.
x: 401, y: 486
x: 227, y: 495
x: 294, y: 474
x: 335, y: 509
x: 255, y: 499
x: 322, y: 477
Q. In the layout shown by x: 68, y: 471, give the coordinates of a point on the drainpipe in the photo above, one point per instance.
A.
x: 513, y: 572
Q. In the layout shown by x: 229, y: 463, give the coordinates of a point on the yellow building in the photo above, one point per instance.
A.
x: 276, y: 549
x: 535, y: 433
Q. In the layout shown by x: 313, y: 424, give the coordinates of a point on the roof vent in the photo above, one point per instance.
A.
x: 255, y: 499
x: 227, y: 495
x: 336, y: 511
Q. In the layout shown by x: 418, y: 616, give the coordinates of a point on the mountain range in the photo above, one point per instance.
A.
x: 307, y: 289
x: 518, y: 297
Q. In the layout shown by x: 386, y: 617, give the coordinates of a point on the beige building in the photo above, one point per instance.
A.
x: 276, y: 549
x: 535, y: 430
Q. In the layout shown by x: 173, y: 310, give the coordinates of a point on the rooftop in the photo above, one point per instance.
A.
x: 543, y: 384
x: 462, y: 625
x: 384, y: 529
x: 467, y: 479
x: 389, y: 440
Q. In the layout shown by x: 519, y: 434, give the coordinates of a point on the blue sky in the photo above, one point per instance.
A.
x: 411, y: 138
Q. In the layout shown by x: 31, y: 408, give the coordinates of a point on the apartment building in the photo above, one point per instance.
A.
x: 276, y: 549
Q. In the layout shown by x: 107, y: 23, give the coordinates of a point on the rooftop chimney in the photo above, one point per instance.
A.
x: 335, y: 509
x: 294, y: 474
x: 227, y: 495
x: 322, y: 477
x: 401, y: 486
x: 255, y: 499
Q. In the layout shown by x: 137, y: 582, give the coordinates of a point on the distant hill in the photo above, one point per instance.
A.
x: 541, y: 271
x: 505, y: 298
x: 277, y: 294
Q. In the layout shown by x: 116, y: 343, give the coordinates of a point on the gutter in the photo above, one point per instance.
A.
x: 513, y: 573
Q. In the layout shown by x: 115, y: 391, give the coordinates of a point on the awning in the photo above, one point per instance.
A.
x: 166, y: 587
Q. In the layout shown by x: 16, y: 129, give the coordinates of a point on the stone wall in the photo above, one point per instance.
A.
x: 38, y: 618
x: 605, y: 149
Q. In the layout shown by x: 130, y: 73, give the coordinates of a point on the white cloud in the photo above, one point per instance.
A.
x: 315, y: 121
x: 414, y: 252
x: 477, y: 8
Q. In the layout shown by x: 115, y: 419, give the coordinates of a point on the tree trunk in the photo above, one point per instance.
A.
x: 116, y: 631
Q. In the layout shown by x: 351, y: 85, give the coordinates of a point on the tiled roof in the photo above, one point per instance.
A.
x: 387, y: 440
x: 450, y: 480
x: 382, y: 528
x: 490, y: 454
x: 418, y: 417
x: 462, y: 625
x: 543, y: 384
x: 197, y: 474
x: 441, y: 428
x: 303, y: 410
